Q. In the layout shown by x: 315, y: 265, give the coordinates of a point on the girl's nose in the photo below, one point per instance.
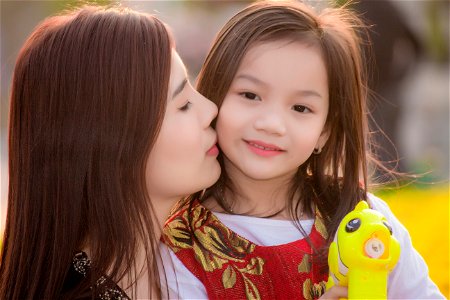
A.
x: 271, y: 121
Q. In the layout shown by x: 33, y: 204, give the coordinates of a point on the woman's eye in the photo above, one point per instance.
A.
x: 301, y: 108
x: 250, y: 96
x: 186, y: 106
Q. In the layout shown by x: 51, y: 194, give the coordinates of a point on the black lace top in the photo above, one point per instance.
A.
x: 104, y: 288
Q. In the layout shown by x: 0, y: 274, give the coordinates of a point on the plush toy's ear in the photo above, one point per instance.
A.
x: 361, y: 205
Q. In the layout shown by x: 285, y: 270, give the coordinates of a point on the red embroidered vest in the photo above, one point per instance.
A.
x: 231, y: 267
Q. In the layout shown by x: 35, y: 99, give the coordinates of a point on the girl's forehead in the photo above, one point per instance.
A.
x: 274, y: 44
x: 286, y: 67
x: 263, y: 49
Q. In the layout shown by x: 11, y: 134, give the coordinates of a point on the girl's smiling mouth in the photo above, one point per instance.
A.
x: 263, y: 149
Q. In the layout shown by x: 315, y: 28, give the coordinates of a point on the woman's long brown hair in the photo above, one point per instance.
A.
x: 330, y: 180
x: 88, y: 97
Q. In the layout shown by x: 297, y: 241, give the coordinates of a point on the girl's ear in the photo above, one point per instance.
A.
x: 323, y: 138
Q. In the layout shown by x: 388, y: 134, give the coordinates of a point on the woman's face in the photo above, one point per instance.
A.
x: 183, y: 159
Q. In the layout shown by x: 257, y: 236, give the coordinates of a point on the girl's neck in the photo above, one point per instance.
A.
x: 257, y: 197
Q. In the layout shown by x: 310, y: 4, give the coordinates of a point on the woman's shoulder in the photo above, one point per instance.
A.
x: 80, y: 273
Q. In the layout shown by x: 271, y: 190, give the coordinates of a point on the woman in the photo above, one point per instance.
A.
x: 106, y: 134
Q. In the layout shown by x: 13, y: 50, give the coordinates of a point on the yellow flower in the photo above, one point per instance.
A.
x: 425, y: 213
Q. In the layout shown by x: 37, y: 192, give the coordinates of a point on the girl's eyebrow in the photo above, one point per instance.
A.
x: 179, y: 88
x: 309, y: 93
x: 250, y: 78
x: 302, y: 93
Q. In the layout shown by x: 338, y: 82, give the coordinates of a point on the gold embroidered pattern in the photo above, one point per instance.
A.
x: 214, y: 246
x: 304, y: 266
x: 228, y: 277
x: 313, y: 291
x: 320, y: 226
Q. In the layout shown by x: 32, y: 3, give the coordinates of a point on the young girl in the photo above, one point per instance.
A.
x: 105, y: 135
x: 290, y: 85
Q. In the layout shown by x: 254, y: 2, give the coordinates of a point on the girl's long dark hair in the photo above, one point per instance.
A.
x: 88, y: 97
x: 336, y: 179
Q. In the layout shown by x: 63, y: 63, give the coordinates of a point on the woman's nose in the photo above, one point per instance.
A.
x: 209, y: 110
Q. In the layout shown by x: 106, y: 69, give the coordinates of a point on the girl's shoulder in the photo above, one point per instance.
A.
x: 377, y: 203
x: 381, y: 206
x: 401, y: 284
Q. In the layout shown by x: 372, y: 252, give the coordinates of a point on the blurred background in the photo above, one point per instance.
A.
x: 410, y: 79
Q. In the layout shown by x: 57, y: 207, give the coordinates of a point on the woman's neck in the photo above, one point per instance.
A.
x: 141, y: 289
x: 162, y: 208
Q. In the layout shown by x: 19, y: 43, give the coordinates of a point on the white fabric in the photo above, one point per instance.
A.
x: 263, y: 231
x: 409, y: 279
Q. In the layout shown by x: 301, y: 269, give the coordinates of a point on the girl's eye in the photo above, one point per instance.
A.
x: 250, y: 96
x: 301, y: 108
x: 186, y: 106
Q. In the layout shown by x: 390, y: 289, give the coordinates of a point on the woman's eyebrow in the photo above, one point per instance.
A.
x: 179, y: 88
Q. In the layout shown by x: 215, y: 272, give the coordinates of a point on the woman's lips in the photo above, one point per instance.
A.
x: 213, y: 151
x: 264, y: 149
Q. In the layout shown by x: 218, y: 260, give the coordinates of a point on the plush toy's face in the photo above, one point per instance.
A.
x: 365, y: 238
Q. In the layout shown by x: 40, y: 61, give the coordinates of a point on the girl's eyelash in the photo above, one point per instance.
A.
x: 301, y: 108
x: 250, y: 95
x: 298, y: 107
x: 186, y: 106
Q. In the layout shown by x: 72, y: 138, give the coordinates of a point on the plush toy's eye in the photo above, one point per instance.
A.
x: 353, y: 225
x: 388, y: 227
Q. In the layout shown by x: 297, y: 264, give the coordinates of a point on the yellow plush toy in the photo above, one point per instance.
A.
x: 363, y: 253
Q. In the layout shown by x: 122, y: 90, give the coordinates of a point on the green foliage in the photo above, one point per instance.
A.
x: 71, y: 4
x: 436, y: 41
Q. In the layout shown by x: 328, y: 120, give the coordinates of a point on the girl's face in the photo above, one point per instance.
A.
x: 274, y: 113
x: 183, y: 159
